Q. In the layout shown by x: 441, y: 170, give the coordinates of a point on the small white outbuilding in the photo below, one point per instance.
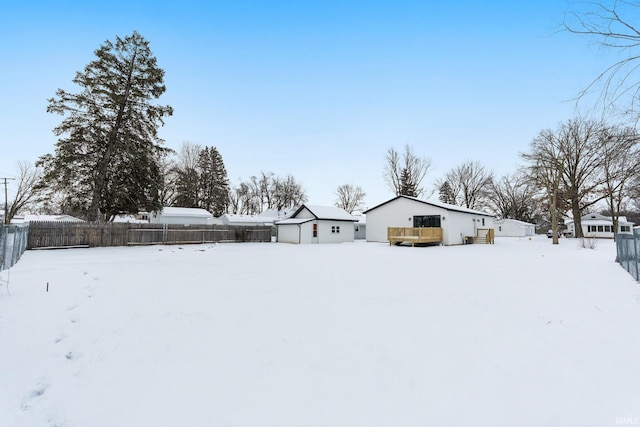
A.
x: 513, y: 228
x: 184, y: 216
x: 316, y: 224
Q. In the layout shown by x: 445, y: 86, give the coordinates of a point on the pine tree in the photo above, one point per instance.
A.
x: 107, y: 158
x: 214, y: 184
x: 446, y: 193
x: 187, y: 188
x: 407, y: 185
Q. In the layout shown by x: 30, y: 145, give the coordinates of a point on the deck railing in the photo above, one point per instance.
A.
x: 413, y: 235
x: 485, y: 235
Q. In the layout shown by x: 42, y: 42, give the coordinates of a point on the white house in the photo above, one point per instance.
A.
x: 596, y: 225
x: 184, y: 216
x: 457, y: 223
x: 513, y: 228
x: 316, y: 224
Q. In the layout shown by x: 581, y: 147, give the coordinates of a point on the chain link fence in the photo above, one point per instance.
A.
x: 13, y: 243
x: 628, y: 248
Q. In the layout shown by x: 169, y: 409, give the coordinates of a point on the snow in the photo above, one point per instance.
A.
x: 355, y: 334
x: 330, y: 212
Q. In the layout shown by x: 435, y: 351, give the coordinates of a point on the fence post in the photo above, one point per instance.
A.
x: 634, y: 240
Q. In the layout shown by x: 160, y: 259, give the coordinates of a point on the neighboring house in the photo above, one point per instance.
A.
x: 596, y: 225
x: 458, y: 224
x: 184, y: 216
x: 22, y: 219
x: 513, y: 228
x: 316, y: 224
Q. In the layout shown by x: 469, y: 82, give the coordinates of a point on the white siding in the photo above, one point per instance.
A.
x: 304, y: 213
x: 459, y: 225
x: 306, y: 232
x: 512, y: 228
x: 325, y: 234
x: 400, y: 212
x: 289, y: 233
x: 397, y: 213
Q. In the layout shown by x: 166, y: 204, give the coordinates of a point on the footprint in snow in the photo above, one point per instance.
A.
x: 37, y: 391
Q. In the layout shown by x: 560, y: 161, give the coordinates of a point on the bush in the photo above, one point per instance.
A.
x: 588, y: 242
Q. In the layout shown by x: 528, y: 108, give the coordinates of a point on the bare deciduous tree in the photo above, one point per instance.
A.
x: 350, y: 197
x: 267, y: 192
x: 515, y: 196
x: 404, y: 172
x: 620, y: 157
x: 468, y: 185
x: 579, y: 142
x: 545, y: 165
x: 615, y: 26
x: 26, y: 191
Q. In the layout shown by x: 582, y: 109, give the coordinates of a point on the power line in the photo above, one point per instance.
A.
x: 5, y: 198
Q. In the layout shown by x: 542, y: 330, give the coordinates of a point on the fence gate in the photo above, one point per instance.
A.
x: 13, y: 243
x: 628, y: 248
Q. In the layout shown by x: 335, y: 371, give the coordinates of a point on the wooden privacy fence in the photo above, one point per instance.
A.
x: 82, y: 234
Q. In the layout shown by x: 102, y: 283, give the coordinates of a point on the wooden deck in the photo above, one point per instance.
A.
x: 398, y: 235
x: 485, y: 235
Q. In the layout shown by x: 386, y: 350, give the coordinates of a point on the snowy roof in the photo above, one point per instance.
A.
x: 436, y: 204
x: 327, y: 212
x: 277, y: 214
x: 293, y: 221
x: 44, y: 218
x: 199, y: 212
x: 238, y: 218
x: 515, y: 221
x: 597, y: 219
x: 130, y: 219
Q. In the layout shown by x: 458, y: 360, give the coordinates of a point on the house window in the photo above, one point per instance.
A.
x: 426, y: 221
x: 499, y: 228
x: 335, y: 228
x: 483, y: 222
x: 625, y: 228
x: 600, y: 228
x: 315, y: 230
x: 607, y: 229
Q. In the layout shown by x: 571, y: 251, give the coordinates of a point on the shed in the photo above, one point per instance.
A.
x: 316, y: 224
x: 459, y: 225
x: 507, y: 227
x: 185, y: 216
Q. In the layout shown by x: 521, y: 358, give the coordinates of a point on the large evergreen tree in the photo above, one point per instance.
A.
x: 107, y: 158
x: 214, y: 184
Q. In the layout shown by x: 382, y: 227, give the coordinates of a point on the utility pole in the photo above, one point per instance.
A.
x: 5, y: 199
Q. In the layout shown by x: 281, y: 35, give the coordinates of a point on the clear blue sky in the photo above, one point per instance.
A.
x: 316, y: 89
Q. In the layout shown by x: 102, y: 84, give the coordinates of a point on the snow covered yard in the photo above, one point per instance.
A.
x: 517, y: 333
